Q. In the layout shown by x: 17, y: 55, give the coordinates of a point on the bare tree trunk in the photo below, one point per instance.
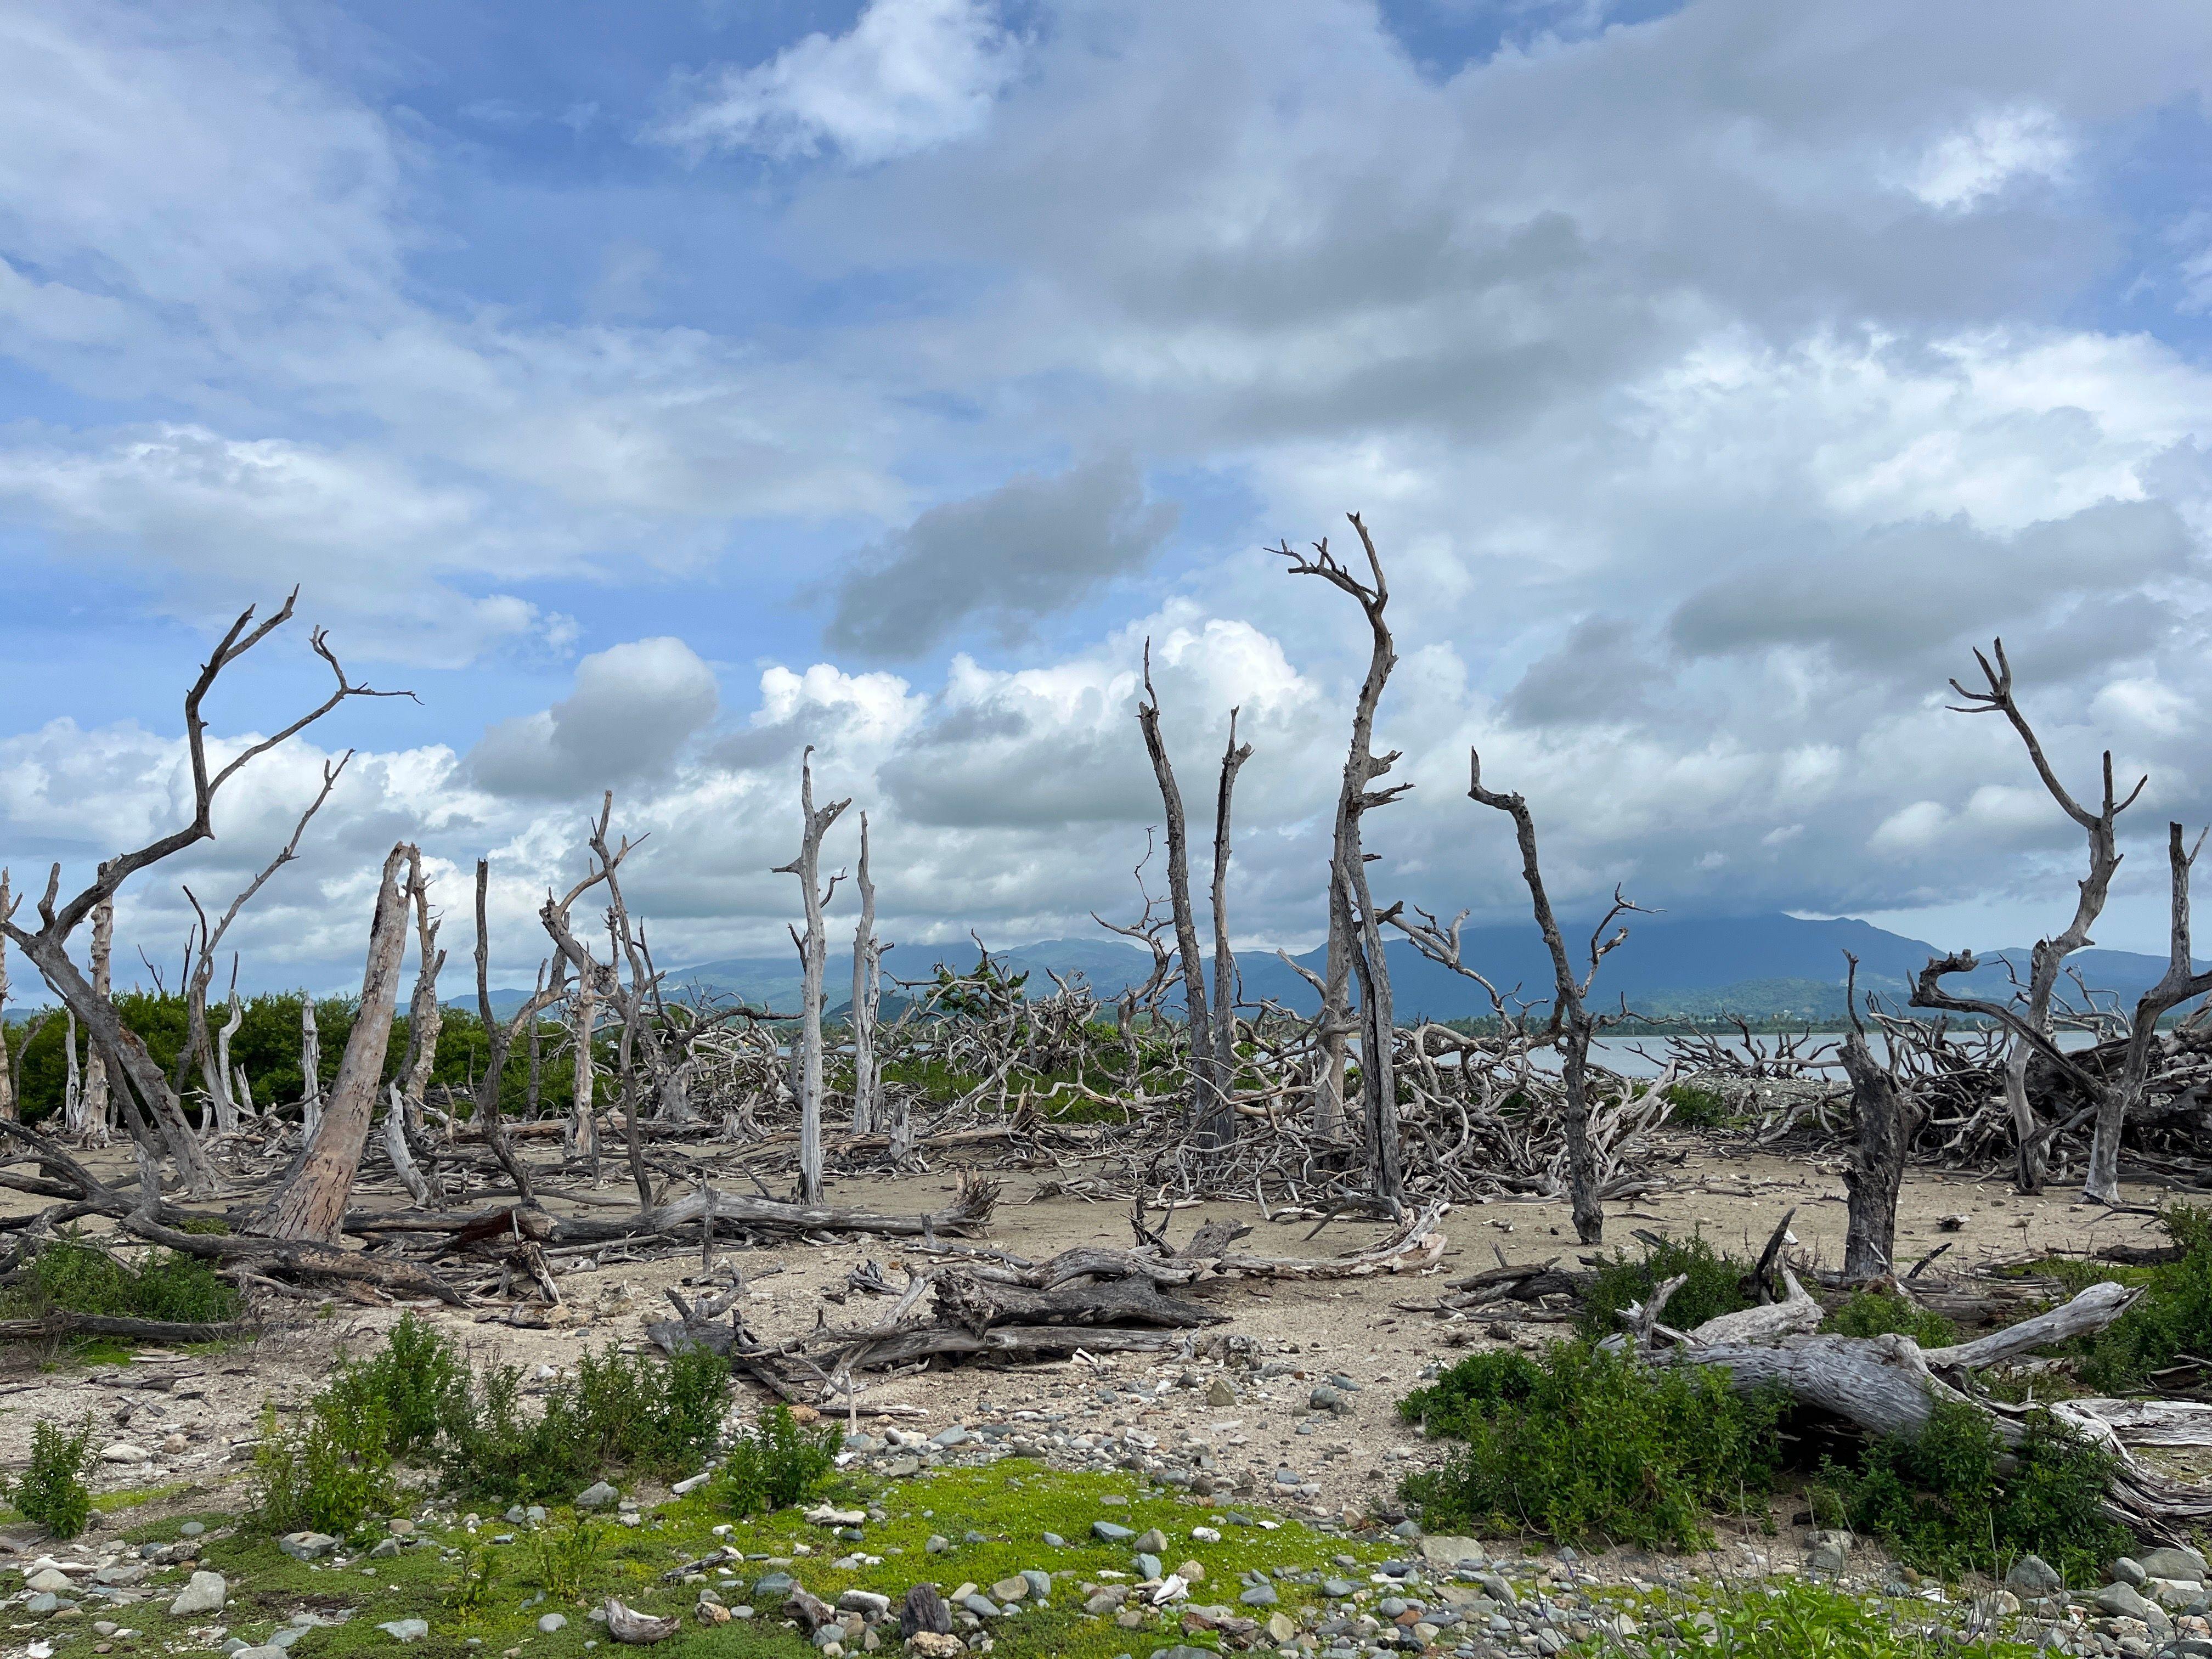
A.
x: 866, y: 985
x: 2176, y: 985
x: 99, y: 1107
x: 1352, y: 923
x: 311, y: 1062
x: 813, y: 949
x: 2030, y: 1139
x: 583, y: 1133
x: 500, y: 1041
x: 1224, y: 1128
x: 1572, y: 1025
x: 1889, y: 1118
x: 312, y: 1203
x: 425, y: 1018
x: 222, y: 1103
x: 9, y: 1111
x: 73, y: 1084
x: 1204, y: 1094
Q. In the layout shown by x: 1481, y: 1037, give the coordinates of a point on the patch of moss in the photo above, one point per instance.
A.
x: 466, y: 1585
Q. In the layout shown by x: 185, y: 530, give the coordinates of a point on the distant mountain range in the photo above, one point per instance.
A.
x: 1768, y: 967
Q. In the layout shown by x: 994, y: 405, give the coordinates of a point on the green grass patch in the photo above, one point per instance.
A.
x: 468, y: 1586
x: 1582, y: 1446
x: 1796, y: 1619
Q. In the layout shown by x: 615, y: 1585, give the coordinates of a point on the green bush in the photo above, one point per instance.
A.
x: 81, y: 1278
x: 51, y: 1491
x: 1879, y: 1313
x: 1717, y: 1284
x: 658, y: 1419
x: 1941, y: 1503
x: 419, y: 1379
x: 1693, y: 1106
x: 777, y: 1464
x: 328, y: 1471
x: 2172, y: 1318
x: 1581, y: 1446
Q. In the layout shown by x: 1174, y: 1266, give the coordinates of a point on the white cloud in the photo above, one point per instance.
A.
x: 910, y: 74
x: 1964, y: 168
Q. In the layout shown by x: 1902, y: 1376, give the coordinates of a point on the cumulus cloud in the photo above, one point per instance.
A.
x: 634, y: 708
x: 909, y: 75
x: 1021, y: 551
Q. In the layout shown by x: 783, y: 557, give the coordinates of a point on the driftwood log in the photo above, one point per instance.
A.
x: 1890, y: 1385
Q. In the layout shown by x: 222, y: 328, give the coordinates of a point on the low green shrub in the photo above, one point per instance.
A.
x: 1717, y: 1284
x: 776, y: 1464
x: 565, y: 1559
x: 1879, y: 1313
x: 658, y: 1419
x: 330, y: 1470
x: 419, y: 1379
x: 70, y: 1273
x: 52, y: 1492
x: 1940, y: 1504
x: 1693, y: 1106
x: 1581, y: 1446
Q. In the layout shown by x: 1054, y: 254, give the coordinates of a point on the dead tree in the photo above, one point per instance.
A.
x: 1888, y: 1116
x: 425, y: 1019
x: 813, y: 949
x: 500, y: 1041
x: 594, y: 980
x: 1355, y: 943
x: 311, y: 1064
x: 206, y: 943
x: 1225, y: 961
x: 8, y: 1106
x: 1207, y: 1107
x: 311, y: 1205
x: 582, y: 1135
x: 99, y: 1107
x: 2031, y: 1140
x: 1573, y: 1025
x: 867, y: 991
x: 150, y: 1106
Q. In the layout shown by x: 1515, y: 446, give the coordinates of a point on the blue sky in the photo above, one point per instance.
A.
x: 655, y: 392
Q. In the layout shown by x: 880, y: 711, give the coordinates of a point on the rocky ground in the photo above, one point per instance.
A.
x: 1302, y: 1427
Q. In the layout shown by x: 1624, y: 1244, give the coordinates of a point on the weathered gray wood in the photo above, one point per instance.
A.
x: 312, y: 1203
x: 812, y: 949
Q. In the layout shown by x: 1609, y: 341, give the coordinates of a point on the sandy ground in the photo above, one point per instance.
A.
x: 195, y: 1424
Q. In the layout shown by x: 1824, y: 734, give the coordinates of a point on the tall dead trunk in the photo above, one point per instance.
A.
x: 1205, y: 1104
x: 222, y: 1099
x: 2031, y: 1139
x: 311, y: 1061
x: 867, y: 985
x: 312, y: 1203
x: 1225, y: 961
x: 425, y: 1019
x: 582, y: 1135
x: 1888, y: 1116
x: 72, y: 1082
x: 99, y: 1107
x: 813, y: 951
x: 8, y: 1108
x: 2180, y: 982
x: 500, y: 1041
x: 1354, y: 931
x: 1572, y: 1025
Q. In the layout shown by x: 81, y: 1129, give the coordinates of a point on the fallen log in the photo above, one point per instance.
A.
x: 1889, y: 1385
x: 62, y: 1322
x: 975, y: 1304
